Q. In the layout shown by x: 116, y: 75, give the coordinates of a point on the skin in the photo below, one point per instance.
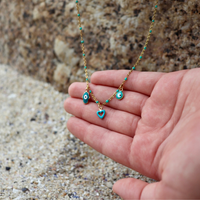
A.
x: 154, y: 130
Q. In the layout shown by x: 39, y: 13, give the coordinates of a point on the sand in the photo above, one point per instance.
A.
x: 39, y: 158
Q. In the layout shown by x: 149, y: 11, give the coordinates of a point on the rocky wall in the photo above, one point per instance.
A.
x: 41, y: 38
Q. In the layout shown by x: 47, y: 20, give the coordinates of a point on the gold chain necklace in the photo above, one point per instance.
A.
x: 119, y: 92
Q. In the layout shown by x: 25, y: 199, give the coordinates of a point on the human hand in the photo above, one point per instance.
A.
x: 154, y: 130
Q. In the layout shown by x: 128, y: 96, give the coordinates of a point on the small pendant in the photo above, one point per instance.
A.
x: 120, y: 95
x: 86, y: 97
x: 101, y: 114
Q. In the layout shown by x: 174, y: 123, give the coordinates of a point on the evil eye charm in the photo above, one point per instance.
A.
x: 86, y: 97
x: 119, y: 95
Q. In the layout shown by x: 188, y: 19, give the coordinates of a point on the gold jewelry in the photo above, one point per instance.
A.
x: 119, y: 92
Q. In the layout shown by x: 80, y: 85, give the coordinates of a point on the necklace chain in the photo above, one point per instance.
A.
x: 100, y: 105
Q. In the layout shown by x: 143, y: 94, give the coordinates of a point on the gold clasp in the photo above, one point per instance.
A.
x: 121, y: 88
x: 100, y: 107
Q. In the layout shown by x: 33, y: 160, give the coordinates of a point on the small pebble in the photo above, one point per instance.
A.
x: 109, y: 184
x: 8, y: 168
x: 25, y: 189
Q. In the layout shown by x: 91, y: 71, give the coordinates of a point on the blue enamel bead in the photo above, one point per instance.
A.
x: 119, y: 95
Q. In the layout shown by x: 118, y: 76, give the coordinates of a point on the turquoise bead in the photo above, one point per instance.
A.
x: 76, y: 1
x: 140, y: 57
x: 97, y: 101
x: 153, y: 20
x: 156, y: 6
x: 80, y: 28
x: 83, y: 54
x: 145, y: 48
x: 107, y: 101
x: 78, y: 15
x: 117, y: 90
x: 86, y: 79
x: 85, y: 67
x: 133, y: 68
x: 90, y: 91
x: 82, y: 41
x: 150, y: 31
x: 125, y: 79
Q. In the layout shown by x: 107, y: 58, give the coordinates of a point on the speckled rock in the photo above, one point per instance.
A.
x: 38, y: 35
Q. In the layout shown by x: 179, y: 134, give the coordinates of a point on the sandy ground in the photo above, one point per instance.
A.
x: 39, y: 158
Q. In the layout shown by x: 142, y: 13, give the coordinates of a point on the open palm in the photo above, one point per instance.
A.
x: 154, y: 130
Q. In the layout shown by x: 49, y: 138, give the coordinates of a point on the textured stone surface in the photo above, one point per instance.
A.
x: 39, y: 35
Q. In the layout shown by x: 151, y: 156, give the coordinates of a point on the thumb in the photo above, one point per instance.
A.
x: 131, y: 188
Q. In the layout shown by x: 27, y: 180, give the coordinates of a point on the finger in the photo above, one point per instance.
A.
x: 142, y: 82
x: 132, y: 102
x: 114, y: 145
x: 131, y: 188
x: 114, y: 120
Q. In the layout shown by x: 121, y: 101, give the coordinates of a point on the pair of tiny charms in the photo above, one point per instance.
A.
x: 101, y: 113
